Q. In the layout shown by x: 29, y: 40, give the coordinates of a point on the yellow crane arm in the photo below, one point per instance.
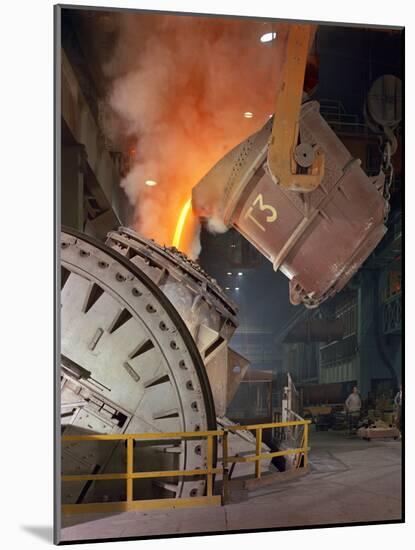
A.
x: 296, y: 167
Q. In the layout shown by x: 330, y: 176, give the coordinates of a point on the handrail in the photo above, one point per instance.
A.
x: 267, y: 425
x: 209, y: 471
x: 142, y: 436
x: 258, y: 456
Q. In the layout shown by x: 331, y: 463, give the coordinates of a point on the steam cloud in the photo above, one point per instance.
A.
x: 179, y: 88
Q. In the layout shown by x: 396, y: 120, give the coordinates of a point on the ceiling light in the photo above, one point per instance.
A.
x: 227, y: 288
x: 248, y: 114
x: 151, y: 183
x: 229, y: 273
x: 237, y: 288
x: 268, y: 37
x: 240, y: 274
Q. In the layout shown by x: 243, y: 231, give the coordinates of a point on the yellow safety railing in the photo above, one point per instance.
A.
x: 209, y: 499
x: 130, y: 475
x: 258, y: 456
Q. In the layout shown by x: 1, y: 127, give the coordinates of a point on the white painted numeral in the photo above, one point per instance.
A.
x: 272, y: 216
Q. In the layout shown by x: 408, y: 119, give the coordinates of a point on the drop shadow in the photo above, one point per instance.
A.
x: 43, y: 532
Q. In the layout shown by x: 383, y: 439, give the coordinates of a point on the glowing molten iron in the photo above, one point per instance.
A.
x: 180, y: 223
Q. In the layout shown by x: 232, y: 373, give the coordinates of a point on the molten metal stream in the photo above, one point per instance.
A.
x: 180, y: 223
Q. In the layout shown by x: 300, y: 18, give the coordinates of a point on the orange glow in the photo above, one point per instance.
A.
x: 180, y: 135
x: 180, y: 223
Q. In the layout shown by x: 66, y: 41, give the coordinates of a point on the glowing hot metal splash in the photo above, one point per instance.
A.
x: 180, y: 223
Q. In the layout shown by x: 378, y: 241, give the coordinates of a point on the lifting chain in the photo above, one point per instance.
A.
x: 388, y: 150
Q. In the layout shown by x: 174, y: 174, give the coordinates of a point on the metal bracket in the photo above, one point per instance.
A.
x: 283, y: 151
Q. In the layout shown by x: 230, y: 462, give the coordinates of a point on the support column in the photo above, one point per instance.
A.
x: 72, y: 186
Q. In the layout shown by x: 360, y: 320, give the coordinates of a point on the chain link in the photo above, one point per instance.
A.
x: 387, y: 169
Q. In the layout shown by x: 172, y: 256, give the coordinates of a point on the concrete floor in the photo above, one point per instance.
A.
x: 351, y: 480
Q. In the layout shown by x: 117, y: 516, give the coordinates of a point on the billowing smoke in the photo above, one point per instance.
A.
x: 216, y: 225
x: 180, y: 86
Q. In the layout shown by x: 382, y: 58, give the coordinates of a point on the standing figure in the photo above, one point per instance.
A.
x: 353, y: 405
x: 398, y: 408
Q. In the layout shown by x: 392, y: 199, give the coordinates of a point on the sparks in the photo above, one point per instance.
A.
x: 180, y: 223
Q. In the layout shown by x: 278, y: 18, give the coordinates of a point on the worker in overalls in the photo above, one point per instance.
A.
x: 353, y: 406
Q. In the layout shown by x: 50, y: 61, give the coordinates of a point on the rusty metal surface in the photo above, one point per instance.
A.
x: 319, y: 239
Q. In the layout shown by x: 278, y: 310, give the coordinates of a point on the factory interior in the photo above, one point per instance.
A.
x: 208, y: 286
